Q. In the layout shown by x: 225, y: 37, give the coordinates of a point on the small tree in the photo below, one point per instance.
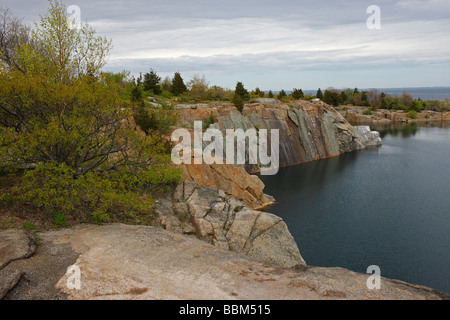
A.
x: 270, y: 94
x: 297, y: 94
x: 238, y: 102
x: 166, y: 84
x: 319, y: 94
x: 198, y: 86
x: 259, y: 92
x: 364, y: 99
x: 72, y: 146
x: 282, y: 94
x: 343, y: 97
x: 332, y: 96
x: 178, y: 86
x: 242, y: 92
x: 152, y: 82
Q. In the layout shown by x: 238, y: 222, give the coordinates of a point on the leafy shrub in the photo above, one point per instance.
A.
x: 238, y: 102
x: 412, y: 114
x: 209, y: 121
x: 72, y: 150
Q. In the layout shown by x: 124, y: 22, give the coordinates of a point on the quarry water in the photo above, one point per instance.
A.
x: 387, y: 206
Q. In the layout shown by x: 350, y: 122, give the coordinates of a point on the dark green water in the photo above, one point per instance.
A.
x: 387, y: 206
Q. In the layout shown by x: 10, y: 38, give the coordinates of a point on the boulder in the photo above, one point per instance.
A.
x: 367, y: 137
x: 228, y: 223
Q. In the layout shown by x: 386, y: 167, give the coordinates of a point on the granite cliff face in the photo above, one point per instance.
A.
x: 307, y: 131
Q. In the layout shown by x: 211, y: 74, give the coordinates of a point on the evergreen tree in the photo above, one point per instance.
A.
x: 136, y: 94
x: 258, y: 92
x: 364, y: 99
x: 238, y: 102
x: 178, y: 86
x: 270, y: 94
x: 151, y: 82
x: 332, y: 97
x: 297, y: 94
x: 343, y: 97
x: 242, y: 92
x: 166, y: 84
x: 282, y: 94
x: 319, y: 94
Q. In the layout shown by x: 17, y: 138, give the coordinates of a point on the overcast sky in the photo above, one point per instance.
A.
x: 274, y: 45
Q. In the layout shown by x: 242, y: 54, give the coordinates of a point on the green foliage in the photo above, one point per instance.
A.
x: 343, y: 98
x: 319, y: 94
x: 178, y: 87
x: 367, y: 112
x: 270, y: 94
x: 209, y: 121
x: 412, y: 114
x: 259, y: 92
x: 241, y: 92
x: 151, y: 82
x: 59, y: 219
x: 61, y: 53
x: 155, y: 119
x: 238, y: 102
x: 332, y: 97
x: 282, y: 94
x: 136, y: 94
x: 71, y: 148
x: 297, y: 94
x: 217, y: 93
x: 416, y: 105
x: 29, y: 226
x: 198, y: 88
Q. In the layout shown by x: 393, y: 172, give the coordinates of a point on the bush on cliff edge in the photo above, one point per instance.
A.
x: 65, y: 141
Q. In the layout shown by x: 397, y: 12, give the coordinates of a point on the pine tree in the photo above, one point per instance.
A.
x: 258, y: 92
x: 238, y: 102
x: 297, y: 94
x: 282, y: 94
x: 319, y: 94
x: 343, y: 97
x: 270, y: 94
x: 151, y: 82
x: 178, y: 86
x: 242, y: 92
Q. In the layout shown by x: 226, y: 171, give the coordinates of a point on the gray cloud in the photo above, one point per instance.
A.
x: 287, y: 39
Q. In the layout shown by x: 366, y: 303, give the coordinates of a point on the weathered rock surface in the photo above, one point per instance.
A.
x: 307, y: 131
x: 233, y: 180
x: 15, y: 245
x: 227, y: 223
x: 383, y: 116
x: 32, y: 274
x: 370, y: 138
x: 137, y: 262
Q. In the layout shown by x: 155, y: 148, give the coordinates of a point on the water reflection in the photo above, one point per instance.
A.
x: 406, y: 130
x: 386, y: 206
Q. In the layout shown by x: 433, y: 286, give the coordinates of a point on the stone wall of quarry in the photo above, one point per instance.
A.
x: 307, y: 131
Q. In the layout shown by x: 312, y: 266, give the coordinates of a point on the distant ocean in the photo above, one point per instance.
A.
x: 424, y: 93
